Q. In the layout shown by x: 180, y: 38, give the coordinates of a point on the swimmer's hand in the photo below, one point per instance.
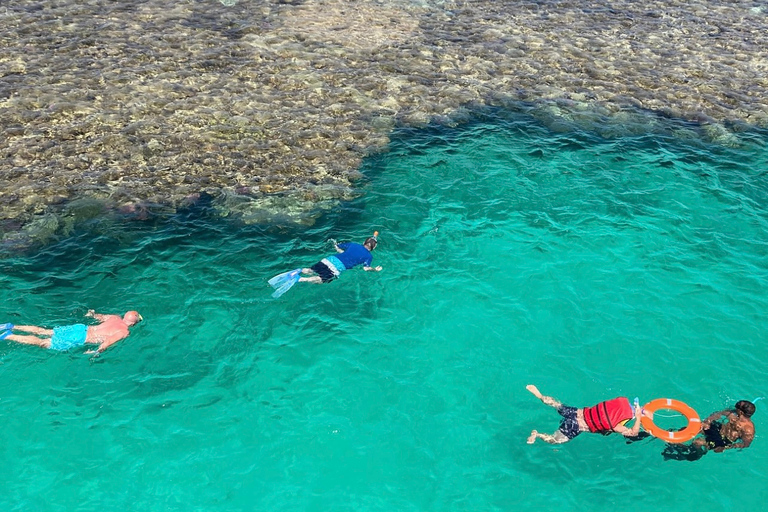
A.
x: 90, y: 313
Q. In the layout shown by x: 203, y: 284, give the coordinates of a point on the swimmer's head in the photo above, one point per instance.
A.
x: 371, y: 242
x: 132, y: 318
x: 745, y: 407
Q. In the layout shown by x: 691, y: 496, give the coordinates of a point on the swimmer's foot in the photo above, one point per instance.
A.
x: 5, y: 334
x: 6, y: 327
x: 532, y: 437
x: 533, y: 389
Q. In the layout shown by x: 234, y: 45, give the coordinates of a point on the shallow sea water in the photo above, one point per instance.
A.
x: 513, y: 254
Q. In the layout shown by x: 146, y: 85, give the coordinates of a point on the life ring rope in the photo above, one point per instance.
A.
x: 671, y: 436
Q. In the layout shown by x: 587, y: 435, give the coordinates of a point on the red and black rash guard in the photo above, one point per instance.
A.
x: 604, y: 416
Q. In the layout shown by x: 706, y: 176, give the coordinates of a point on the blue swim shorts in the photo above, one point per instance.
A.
x: 68, y: 336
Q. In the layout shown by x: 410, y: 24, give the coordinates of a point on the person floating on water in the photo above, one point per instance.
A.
x: 348, y: 255
x: 109, y: 330
x: 603, y: 418
x: 737, y: 431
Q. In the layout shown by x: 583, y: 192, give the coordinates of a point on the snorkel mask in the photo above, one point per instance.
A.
x: 372, y: 240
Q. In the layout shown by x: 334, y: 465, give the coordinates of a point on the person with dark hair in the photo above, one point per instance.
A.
x: 109, y: 330
x: 603, y: 418
x: 735, y: 431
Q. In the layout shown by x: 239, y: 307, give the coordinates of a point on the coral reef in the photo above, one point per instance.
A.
x: 270, y: 106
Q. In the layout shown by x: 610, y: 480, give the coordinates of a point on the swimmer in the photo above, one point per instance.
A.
x: 737, y: 431
x: 109, y: 330
x: 603, y: 418
x: 348, y: 255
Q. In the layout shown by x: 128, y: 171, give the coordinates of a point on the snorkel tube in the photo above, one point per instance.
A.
x: 372, y: 241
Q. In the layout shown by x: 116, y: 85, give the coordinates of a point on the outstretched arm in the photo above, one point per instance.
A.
x: 712, y: 417
x: 101, y: 318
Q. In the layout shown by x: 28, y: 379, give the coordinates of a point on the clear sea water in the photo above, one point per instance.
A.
x: 513, y: 254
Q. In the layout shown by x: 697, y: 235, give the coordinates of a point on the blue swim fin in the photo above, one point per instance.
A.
x: 279, y: 279
x: 5, y: 334
x: 6, y: 327
x: 284, y: 282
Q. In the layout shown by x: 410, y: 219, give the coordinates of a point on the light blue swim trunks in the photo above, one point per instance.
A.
x: 68, y: 336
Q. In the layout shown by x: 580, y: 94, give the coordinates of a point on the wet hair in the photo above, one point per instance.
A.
x: 746, y: 407
x: 370, y: 242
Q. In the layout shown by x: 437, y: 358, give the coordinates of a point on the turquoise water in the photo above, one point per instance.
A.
x: 513, y: 254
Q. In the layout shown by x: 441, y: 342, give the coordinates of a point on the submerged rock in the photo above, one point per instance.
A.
x: 142, y: 106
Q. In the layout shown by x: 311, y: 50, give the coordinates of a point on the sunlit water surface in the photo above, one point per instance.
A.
x: 512, y: 254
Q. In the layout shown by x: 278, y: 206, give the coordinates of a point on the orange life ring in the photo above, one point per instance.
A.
x: 677, y: 436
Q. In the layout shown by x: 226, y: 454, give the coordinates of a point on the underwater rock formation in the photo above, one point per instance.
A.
x: 270, y: 106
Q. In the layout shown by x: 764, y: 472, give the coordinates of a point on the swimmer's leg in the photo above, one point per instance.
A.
x: 315, y: 279
x: 33, y: 329
x: 548, y: 400
x: 557, y: 438
x: 30, y: 340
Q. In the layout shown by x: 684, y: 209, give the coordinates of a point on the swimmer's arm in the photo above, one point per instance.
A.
x: 746, y: 439
x: 712, y: 417
x: 104, y: 346
x: 635, y: 430
x: 101, y: 318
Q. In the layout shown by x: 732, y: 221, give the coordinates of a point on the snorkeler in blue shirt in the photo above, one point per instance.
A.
x: 348, y: 255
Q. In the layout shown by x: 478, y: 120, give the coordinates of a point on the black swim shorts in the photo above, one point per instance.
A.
x: 569, y: 426
x: 713, y: 437
x: 325, y: 273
